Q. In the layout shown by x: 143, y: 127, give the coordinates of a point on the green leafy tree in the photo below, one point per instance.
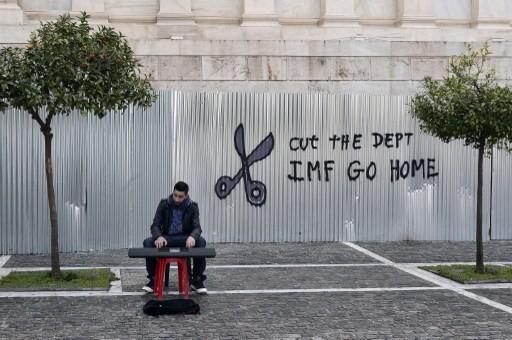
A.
x: 69, y: 66
x: 468, y: 104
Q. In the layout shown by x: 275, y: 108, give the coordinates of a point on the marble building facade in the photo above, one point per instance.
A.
x: 355, y: 46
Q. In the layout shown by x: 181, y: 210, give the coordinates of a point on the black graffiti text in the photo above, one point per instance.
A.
x: 391, y: 140
x: 314, y: 170
x: 344, y: 141
x: 355, y: 170
x: 416, y: 167
x: 303, y: 143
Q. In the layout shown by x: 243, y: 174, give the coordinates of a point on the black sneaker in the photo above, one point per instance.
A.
x: 149, y: 287
x: 199, y: 287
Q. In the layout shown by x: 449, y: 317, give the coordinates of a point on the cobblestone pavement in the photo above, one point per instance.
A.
x: 363, y: 315
x: 227, y: 253
x: 289, y: 278
x: 439, y: 251
x: 285, y: 253
x: 503, y: 296
x: 239, y: 309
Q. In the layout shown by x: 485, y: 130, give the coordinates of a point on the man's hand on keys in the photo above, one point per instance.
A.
x: 160, y: 242
x: 191, y: 242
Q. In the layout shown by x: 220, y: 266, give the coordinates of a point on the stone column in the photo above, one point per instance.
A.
x: 10, y: 13
x: 379, y: 13
x: 94, y: 8
x: 259, y: 13
x: 176, y: 12
x: 491, y: 13
x: 293, y: 12
x: 453, y: 13
x: 338, y: 13
x: 176, y: 20
x: 415, y: 13
x: 42, y: 10
x: 132, y: 11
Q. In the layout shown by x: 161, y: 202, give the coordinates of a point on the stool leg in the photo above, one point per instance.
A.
x: 159, y: 278
x: 189, y: 270
x: 185, y: 283
x: 167, y: 267
x: 180, y: 269
x: 184, y: 289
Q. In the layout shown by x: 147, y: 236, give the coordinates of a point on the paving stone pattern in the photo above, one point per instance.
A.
x: 503, y: 296
x: 118, y: 257
x: 439, y: 251
x: 404, y: 315
x: 427, y: 314
x: 227, y: 253
x: 289, y: 278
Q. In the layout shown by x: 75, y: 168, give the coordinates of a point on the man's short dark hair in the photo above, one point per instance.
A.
x: 181, y: 186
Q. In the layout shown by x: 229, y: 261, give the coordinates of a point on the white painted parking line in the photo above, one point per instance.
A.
x: 297, y: 265
x: 216, y: 292
x: 284, y: 265
x: 382, y: 262
x: 429, y: 276
x: 369, y: 253
x: 30, y: 269
x: 420, y: 264
x: 4, y: 259
x: 485, y: 300
x: 116, y: 286
x: 85, y: 293
x: 249, y: 291
x: 488, y: 286
x: 323, y: 290
x: 411, y: 268
x: 305, y: 265
x: 436, y: 279
x: 4, y: 272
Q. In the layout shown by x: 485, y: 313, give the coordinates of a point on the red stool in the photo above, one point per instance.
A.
x: 161, y: 263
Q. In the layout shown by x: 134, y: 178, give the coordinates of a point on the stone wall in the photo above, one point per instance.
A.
x: 355, y: 66
x: 373, y: 46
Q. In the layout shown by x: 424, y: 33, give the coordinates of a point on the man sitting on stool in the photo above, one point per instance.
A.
x: 176, y: 224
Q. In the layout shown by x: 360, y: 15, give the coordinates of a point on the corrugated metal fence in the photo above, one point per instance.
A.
x: 111, y: 173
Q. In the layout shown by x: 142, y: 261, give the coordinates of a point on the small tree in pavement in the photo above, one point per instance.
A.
x: 66, y: 66
x: 470, y: 105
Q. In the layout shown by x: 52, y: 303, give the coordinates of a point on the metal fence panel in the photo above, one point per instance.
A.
x: 110, y: 173
x: 501, y: 215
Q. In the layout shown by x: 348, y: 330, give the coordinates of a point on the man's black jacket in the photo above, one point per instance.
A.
x: 190, y: 222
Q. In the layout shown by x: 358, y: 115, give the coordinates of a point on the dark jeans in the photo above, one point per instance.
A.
x: 177, y: 241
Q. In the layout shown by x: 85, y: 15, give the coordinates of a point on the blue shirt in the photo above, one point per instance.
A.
x: 176, y: 222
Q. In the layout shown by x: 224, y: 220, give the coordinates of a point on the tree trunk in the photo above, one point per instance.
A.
x: 479, y: 244
x: 51, y: 203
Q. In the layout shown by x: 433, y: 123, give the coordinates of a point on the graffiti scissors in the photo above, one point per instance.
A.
x: 255, y: 191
